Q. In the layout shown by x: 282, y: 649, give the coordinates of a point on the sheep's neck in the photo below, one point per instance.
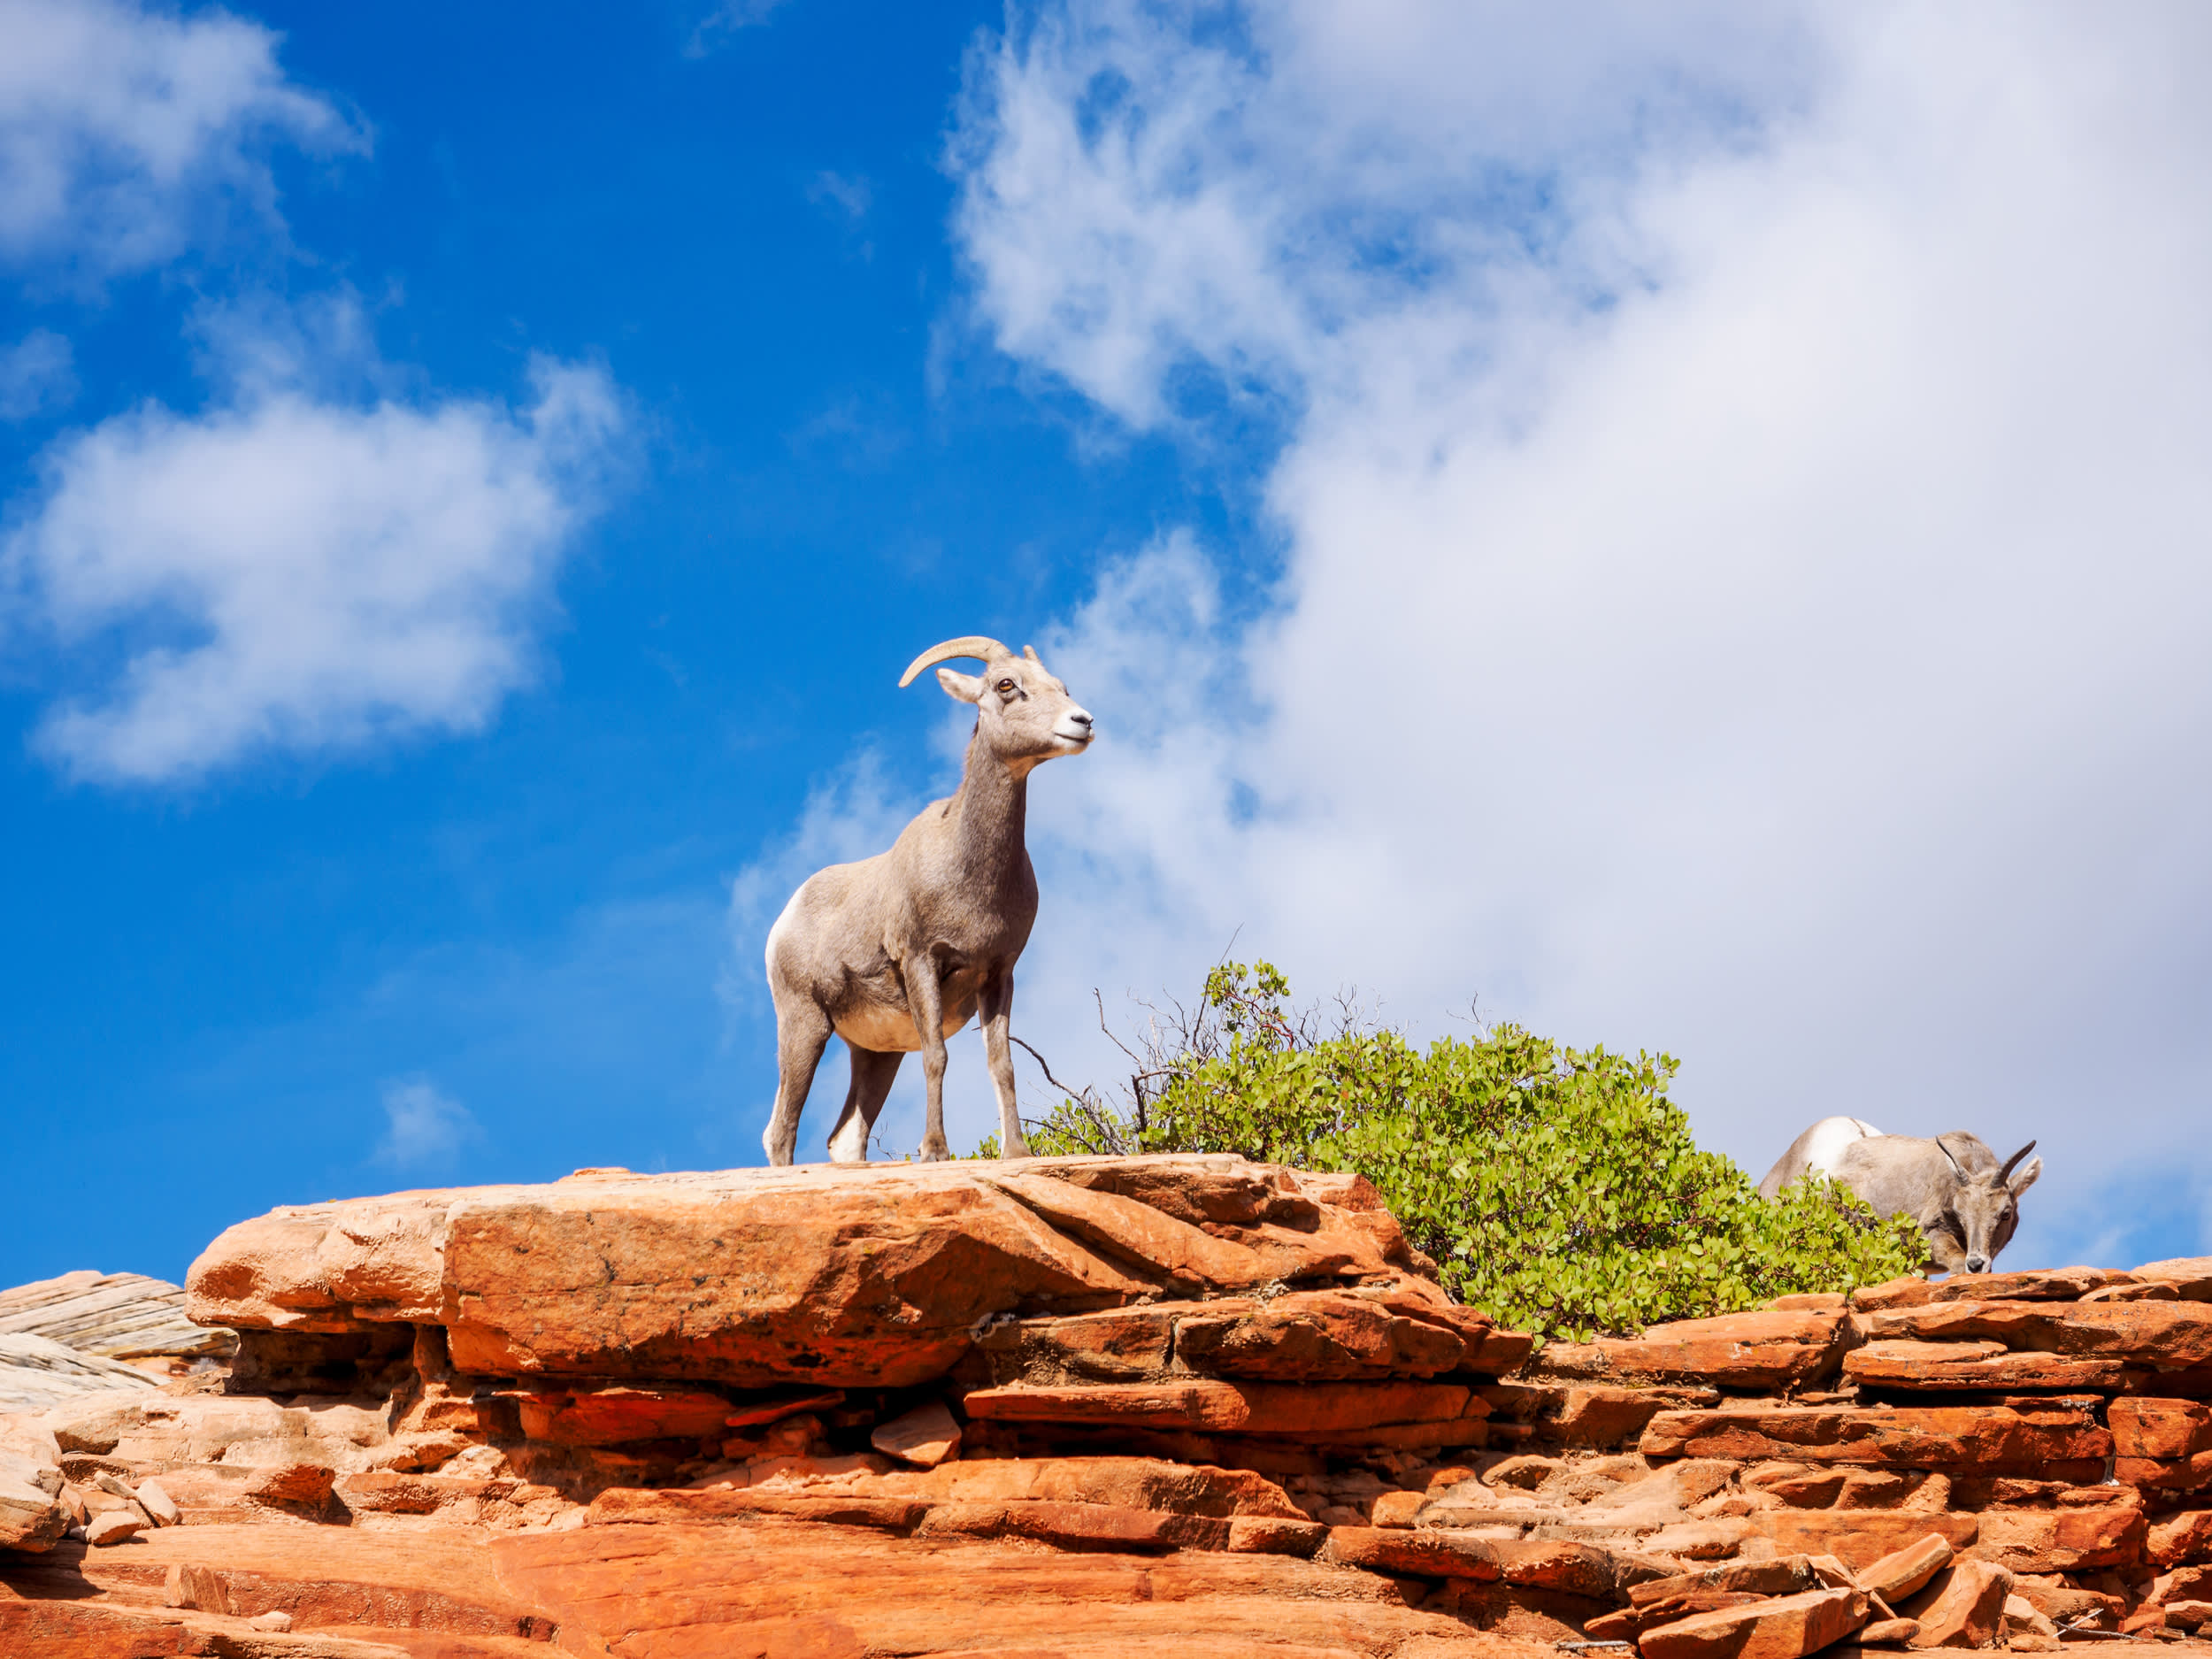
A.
x: 993, y: 818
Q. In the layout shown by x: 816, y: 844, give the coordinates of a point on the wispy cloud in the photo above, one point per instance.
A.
x: 298, y: 571
x: 128, y: 133
x: 422, y: 1125
x: 849, y: 195
x: 726, y: 20
x: 37, y: 373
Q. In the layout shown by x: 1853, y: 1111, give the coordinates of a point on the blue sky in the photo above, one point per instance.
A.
x: 1693, y: 533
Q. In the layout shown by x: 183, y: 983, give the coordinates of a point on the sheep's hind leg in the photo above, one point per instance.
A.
x: 803, y: 1031
x: 927, y: 998
x: 996, y: 1006
x: 874, y: 1072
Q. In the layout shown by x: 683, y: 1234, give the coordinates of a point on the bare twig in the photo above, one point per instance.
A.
x: 1073, y: 1094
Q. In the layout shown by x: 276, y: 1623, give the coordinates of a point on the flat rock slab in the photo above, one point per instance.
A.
x: 2168, y: 1335
x: 1788, y: 1627
x: 836, y: 1275
x: 1770, y: 1348
x: 771, y: 1586
x: 120, y: 1315
x: 38, y: 1373
x: 1979, y: 1367
x: 2053, y: 1443
x: 1204, y: 1404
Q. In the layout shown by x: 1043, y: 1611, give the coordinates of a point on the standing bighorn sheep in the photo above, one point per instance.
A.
x: 896, y: 952
x: 1966, y: 1204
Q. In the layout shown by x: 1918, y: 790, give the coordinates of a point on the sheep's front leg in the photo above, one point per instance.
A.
x: 996, y: 1006
x: 926, y: 996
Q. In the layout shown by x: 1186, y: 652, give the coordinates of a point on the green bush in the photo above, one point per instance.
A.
x: 1558, y: 1190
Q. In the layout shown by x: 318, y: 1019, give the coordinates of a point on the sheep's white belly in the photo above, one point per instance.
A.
x: 890, y: 1030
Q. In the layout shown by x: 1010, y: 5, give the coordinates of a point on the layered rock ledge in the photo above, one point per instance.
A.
x: 1084, y: 1406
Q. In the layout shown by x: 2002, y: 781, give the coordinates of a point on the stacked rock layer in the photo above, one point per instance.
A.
x: 1085, y: 1406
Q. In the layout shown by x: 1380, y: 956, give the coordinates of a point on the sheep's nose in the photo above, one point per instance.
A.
x: 1977, y: 1263
x: 1081, y: 717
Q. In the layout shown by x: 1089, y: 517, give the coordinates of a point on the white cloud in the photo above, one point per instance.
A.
x: 37, y: 372
x: 726, y: 20
x: 849, y: 192
x: 127, y: 132
x: 1745, y: 526
x: 296, y: 571
x: 423, y: 1126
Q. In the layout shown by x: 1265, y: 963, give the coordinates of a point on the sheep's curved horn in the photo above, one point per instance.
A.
x: 2005, y: 1174
x: 967, y: 645
x: 1956, y: 1168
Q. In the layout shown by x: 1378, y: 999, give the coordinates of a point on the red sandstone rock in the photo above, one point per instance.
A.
x: 1317, y: 1336
x: 611, y: 1417
x: 1080, y: 1527
x: 1860, y: 1538
x: 2191, y: 1276
x: 1901, y: 1572
x: 1589, y: 1414
x: 1236, y: 1408
x: 1265, y: 1535
x: 2169, y: 1335
x: 2060, y: 1540
x: 1965, y: 1607
x: 1782, y: 1576
x: 828, y: 1275
x: 1979, y: 1366
x: 758, y: 1413
x: 1143, y: 1483
x: 1118, y: 1345
x: 2166, y: 1444
x: 927, y: 1435
x: 1768, y: 1349
x: 2059, y: 1442
x: 1788, y: 1627
x: 2180, y: 1539
x: 2062, y: 1284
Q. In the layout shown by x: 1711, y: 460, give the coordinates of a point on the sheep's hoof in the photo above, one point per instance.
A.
x: 937, y: 1154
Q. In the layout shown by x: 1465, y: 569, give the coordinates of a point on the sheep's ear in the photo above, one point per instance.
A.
x: 2021, y: 1182
x: 967, y: 687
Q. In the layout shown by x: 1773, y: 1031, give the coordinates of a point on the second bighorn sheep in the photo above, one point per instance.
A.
x: 1966, y: 1203
x: 897, y: 952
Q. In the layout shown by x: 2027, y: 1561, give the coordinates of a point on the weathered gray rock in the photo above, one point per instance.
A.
x: 37, y: 1374
x: 120, y: 1315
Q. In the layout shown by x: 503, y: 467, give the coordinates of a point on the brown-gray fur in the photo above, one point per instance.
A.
x: 1966, y: 1203
x: 897, y: 952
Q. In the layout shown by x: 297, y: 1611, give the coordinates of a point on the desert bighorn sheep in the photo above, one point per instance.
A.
x: 1967, y: 1205
x: 896, y: 952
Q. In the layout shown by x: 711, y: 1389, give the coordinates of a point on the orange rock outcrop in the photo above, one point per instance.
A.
x: 1084, y: 1407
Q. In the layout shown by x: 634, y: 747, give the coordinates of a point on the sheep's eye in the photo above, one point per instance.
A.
x: 1006, y: 684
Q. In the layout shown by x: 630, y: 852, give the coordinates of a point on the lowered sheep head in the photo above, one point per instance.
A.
x: 1979, y: 1213
x: 1024, y: 715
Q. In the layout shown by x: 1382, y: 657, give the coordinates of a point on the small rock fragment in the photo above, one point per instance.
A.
x: 158, y: 1504
x: 1962, y: 1607
x: 2024, y: 1617
x: 926, y: 1436
x: 1905, y: 1571
x: 113, y: 1527
x: 1788, y: 1628
x: 275, y: 1619
x: 1896, y: 1632
x: 1398, y: 1508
